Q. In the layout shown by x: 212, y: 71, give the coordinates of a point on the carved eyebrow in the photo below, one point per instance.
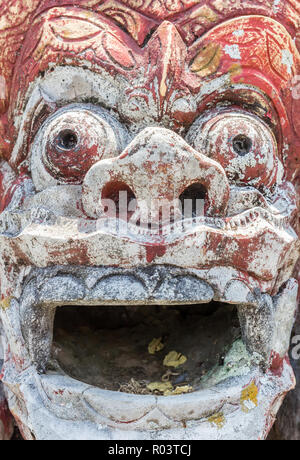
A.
x: 251, y: 99
x: 68, y: 85
x: 77, y: 85
x: 71, y: 84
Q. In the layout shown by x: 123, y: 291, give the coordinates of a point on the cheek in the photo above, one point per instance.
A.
x: 73, y: 164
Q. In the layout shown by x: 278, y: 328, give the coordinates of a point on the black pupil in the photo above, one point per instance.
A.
x: 242, y: 144
x: 67, y: 140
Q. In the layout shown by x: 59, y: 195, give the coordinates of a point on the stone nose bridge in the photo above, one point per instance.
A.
x: 158, y: 166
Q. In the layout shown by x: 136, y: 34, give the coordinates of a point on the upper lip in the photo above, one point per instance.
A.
x: 245, y: 249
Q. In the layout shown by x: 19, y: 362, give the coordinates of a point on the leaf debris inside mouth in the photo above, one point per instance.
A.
x: 155, y: 346
x: 179, y: 391
x: 174, y: 359
x: 107, y: 347
x: 167, y: 389
x: 134, y: 387
x: 160, y: 387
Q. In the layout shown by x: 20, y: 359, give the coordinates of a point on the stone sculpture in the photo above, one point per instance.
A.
x: 158, y: 101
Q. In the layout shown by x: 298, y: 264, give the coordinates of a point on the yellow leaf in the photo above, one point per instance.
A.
x: 179, y: 391
x: 155, y: 346
x: 174, y: 359
x: 160, y: 386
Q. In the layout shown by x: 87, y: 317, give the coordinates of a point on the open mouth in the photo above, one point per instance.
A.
x: 161, y: 350
x: 159, y: 330
x: 145, y: 349
x: 132, y: 353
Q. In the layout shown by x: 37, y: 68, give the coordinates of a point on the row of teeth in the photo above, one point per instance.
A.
x: 259, y: 314
x: 227, y: 224
x: 12, y: 223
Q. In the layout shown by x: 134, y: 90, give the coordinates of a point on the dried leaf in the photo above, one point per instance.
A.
x: 174, y: 359
x: 134, y: 387
x: 155, y: 346
x: 179, y: 391
x: 162, y: 387
x: 183, y: 390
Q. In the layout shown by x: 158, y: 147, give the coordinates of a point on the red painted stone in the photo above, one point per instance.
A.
x: 172, y: 62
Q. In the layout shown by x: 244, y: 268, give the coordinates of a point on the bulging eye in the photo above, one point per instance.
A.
x: 71, y: 142
x: 242, y: 143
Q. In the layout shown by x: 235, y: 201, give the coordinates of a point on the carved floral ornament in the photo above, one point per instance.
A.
x: 163, y: 102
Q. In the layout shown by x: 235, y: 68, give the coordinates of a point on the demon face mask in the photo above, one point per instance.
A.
x: 121, y: 325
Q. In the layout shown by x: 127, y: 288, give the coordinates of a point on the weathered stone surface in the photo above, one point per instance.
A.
x: 287, y: 425
x: 149, y: 163
x: 6, y: 419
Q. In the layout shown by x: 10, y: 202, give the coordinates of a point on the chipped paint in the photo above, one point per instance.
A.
x: 276, y: 6
x: 233, y: 51
x: 179, y: 391
x: 238, y: 33
x: 161, y: 387
x: 287, y: 59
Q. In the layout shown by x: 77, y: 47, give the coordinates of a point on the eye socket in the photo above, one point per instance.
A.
x: 71, y: 142
x: 242, y: 143
x: 75, y: 141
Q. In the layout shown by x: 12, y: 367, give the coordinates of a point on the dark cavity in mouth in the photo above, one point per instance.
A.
x: 107, y: 347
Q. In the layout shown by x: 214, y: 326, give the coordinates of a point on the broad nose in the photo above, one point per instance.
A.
x: 158, y: 166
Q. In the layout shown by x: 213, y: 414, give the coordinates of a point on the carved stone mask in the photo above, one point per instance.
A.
x: 168, y: 104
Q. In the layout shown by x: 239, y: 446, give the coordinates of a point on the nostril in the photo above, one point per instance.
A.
x: 194, y: 201
x: 121, y: 195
